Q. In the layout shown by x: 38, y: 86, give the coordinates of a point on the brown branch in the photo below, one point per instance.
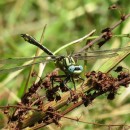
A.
x: 76, y: 119
x: 105, y: 33
x: 101, y: 79
x: 19, y: 106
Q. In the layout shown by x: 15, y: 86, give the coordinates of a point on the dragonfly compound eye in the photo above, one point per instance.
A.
x: 75, y: 69
x: 71, y: 68
x: 81, y: 67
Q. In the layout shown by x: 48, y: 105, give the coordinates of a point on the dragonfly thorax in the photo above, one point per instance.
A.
x: 68, y: 61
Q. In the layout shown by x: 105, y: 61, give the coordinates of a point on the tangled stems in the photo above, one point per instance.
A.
x: 84, y: 97
x: 96, y: 84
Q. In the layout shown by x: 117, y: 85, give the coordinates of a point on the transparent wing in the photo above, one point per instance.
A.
x: 100, y: 53
x: 18, y: 60
x: 127, y: 48
x: 94, y: 57
x: 13, y: 64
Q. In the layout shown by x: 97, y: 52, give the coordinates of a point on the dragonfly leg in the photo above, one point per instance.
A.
x: 53, y: 78
x: 66, y: 80
x: 82, y: 82
x: 73, y: 83
x: 58, y: 79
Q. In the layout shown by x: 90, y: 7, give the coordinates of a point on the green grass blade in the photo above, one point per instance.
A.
x: 112, y: 62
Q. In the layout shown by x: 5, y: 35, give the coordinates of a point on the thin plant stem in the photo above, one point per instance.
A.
x: 37, y: 53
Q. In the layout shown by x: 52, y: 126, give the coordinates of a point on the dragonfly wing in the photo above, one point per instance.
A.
x: 109, y: 51
x: 21, y: 59
x: 13, y: 64
x: 94, y: 56
x: 100, y: 53
x: 3, y: 70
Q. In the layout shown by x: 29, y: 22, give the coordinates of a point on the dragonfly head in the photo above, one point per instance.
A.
x: 76, y: 70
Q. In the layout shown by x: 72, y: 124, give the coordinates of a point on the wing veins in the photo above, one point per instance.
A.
x: 20, y: 67
x: 111, y: 50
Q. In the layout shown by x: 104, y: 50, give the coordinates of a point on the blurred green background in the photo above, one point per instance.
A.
x: 66, y: 21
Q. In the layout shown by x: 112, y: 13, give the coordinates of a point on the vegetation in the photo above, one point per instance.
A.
x: 62, y: 22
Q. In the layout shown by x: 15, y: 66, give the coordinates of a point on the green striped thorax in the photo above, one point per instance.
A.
x: 68, y: 65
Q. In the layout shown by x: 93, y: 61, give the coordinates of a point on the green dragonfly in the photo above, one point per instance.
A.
x: 66, y: 63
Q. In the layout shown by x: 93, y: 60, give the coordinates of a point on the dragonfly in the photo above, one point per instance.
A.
x: 66, y: 63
